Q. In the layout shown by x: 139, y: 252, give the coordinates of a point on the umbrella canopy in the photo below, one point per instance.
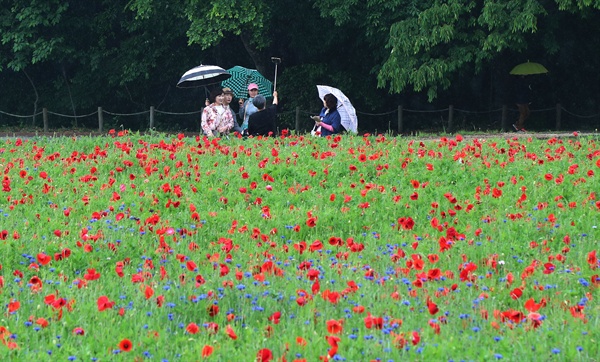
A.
x: 528, y: 68
x: 202, y: 75
x: 345, y: 107
x: 240, y: 79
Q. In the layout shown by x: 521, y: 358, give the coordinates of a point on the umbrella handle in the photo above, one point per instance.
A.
x: 275, y: 82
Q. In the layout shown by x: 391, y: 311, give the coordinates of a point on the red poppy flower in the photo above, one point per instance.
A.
x: 334, y: 326
x: 532, y: 306
x: 192, y: 328
x: 316, y: 287
x: 42, y: 322
x: 275, y: 317
x: 148, y: 292
x: 336, y: 241
x: 78, y: 331
x: 230, y: 332
x: 104, y: 303
x: 91, y: 275
x: 316, y: 245
x: 373, y: 322
x: 191, y: 266
x: 434, y: 274
x: 13, y: 306
x: 516, y: 293
x: 407, y: 223
x: 264, y: 355
x: 125, y: 345
x: 43, y: 258
x: 432, y: 307
x: 513, y: 315
x: 433, y: 258
x: 212, y: 310
x: 592, y: 259
x: 207, y: 350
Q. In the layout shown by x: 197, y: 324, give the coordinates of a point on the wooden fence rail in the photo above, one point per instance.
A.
x: 299, y: 114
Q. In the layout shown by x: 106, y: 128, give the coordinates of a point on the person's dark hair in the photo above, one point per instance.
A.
x: 330, y: 101
x: 259, y: 101
x: 214, y: 93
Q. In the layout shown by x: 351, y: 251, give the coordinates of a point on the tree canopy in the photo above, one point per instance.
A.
x: 128, y: 55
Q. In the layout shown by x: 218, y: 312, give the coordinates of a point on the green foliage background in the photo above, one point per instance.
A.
x: 126, y: 56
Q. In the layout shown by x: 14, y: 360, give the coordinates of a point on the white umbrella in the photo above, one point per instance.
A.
x: 202, y: 75
x: 345, y: 107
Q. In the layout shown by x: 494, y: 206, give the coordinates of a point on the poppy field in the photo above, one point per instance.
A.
x: 349, y: 248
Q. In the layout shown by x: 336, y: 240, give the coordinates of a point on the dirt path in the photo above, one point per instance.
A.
x: 421, y: 136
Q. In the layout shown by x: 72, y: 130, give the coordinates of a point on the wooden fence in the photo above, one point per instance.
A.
x: 300, y: 116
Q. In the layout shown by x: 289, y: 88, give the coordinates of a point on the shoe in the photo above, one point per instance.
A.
x: 515, y: 127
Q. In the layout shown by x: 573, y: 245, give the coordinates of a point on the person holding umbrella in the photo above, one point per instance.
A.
x: 247, y: 108
x: 329, y: 119
x: 523, y: 98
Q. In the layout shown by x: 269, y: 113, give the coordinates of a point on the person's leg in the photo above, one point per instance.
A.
x: 523, y: 115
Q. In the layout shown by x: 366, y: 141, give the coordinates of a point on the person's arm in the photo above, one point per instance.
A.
x: 336, y: 123
x: 204, y: 123
x: 227, y: 122
x: 275, y: 100
x: 242, y: 111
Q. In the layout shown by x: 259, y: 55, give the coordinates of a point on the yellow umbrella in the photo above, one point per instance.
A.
x: 528, y: 68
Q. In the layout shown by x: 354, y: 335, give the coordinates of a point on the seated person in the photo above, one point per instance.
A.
x: 262, y: 123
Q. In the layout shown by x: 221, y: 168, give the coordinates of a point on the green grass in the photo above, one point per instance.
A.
x: 239, y: 209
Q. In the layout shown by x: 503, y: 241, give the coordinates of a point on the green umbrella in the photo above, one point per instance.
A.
x: 240, y: 79
x: 528, y: 69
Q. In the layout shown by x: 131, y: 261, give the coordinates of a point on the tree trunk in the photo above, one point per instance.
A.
x: 37, y: 98
x: 254, y: 54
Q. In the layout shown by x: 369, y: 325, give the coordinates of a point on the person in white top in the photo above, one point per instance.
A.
x: 217, y: 119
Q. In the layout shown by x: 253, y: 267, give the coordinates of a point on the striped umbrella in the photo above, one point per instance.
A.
x: 202, y: 75
x: 241, y: 77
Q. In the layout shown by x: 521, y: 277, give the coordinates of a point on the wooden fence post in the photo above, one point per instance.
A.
x: 297, y: 120
x: 400, y: 119
x: 100, y: 120
x: 558, y: 110
x: 151, y: 117
x: 45, y: 118
x: 450, y: 118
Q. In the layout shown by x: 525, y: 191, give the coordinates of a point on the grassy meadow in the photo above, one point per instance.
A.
x: 351, y: 248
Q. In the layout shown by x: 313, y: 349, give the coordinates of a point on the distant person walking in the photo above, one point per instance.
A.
x: 523, y: 99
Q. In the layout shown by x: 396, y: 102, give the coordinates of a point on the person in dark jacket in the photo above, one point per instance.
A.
x: 522, y: 98
x: 262, y: 123
x: 329, y: 121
